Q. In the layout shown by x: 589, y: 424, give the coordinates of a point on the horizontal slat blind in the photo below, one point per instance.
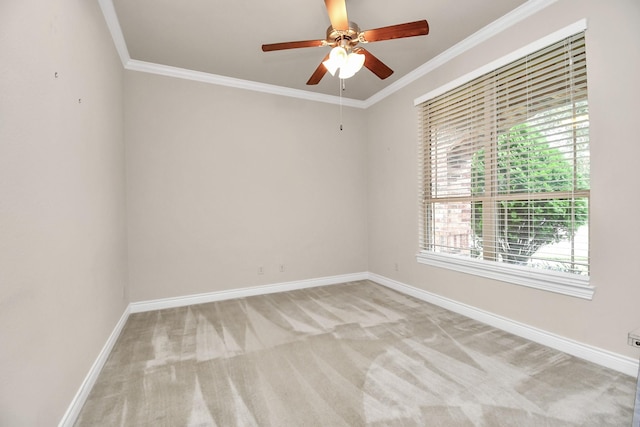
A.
x: 504, y: 163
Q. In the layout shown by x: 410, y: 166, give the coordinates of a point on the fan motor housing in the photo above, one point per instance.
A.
x: 349, y: 36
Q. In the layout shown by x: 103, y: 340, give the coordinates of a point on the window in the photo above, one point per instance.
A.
x: 504, y: 165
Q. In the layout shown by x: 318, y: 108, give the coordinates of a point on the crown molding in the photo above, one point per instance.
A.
x: 532, y: 47
x: 525, y: 10
x: 496, y: 27
x: 198, y: 76
x: 113, y: 24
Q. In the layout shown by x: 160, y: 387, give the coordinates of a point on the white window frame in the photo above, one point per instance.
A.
x: 558, y: 282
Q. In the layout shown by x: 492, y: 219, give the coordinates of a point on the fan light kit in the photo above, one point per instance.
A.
x: 343, y: 37
x: 349, y: 64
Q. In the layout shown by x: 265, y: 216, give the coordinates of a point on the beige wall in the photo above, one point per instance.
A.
x: 221, y: 181
x: 62, y: 221
x: 613, y: 63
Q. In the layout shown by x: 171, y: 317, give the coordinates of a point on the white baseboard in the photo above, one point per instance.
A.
x: 158, y: 304
x: 596, y: 355
x: 617, y: 362
x: 80, y: 398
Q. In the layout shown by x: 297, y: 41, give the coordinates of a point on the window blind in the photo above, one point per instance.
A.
x: 504, y: 164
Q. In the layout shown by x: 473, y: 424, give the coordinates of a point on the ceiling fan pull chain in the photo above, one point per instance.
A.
x: 341, y: 88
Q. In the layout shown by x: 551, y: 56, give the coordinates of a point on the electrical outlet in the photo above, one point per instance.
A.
x: 281, y: 268
x: 260, y: 270
x: 634, y: 338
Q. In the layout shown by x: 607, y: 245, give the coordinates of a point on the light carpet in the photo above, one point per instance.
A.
x: 355, y: 354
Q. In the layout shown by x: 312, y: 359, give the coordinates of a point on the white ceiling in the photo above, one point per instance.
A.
x: 224, y: 38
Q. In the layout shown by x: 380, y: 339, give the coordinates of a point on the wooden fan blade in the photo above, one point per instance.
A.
x: 292, y: 45
x: 319, y: 73
x: 410, y: 29
x: 337, y: 10
x: 375, y: 65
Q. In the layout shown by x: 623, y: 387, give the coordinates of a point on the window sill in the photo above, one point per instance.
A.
x: 562, y: 283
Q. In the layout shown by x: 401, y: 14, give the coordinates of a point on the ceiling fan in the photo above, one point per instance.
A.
x: 344, y: 36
